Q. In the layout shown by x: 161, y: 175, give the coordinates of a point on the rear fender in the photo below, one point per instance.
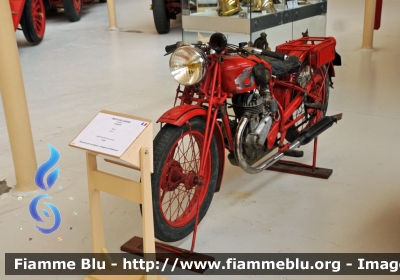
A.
x: 179, y: 115
x: 17, y: 7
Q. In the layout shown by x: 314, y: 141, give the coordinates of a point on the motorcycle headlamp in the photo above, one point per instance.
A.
x: 187, y: 65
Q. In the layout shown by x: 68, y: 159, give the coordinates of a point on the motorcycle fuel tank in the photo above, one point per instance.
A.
x: 237, y: 76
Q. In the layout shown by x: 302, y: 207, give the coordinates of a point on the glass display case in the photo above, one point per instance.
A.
x: 288, y: 21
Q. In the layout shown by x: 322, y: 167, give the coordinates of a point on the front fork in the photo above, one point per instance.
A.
x: 211, y: 118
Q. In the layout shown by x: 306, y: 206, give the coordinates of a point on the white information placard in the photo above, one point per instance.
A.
x: 109, y: 134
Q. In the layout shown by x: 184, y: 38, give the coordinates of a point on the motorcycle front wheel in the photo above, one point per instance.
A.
x: 178, y: 191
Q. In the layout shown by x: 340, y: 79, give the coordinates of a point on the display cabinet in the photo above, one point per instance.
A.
x: 201, y: 19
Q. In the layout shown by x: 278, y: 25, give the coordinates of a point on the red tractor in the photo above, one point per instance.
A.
x: 163, y: 12
x: 72, y: 8
x: 31, y: 15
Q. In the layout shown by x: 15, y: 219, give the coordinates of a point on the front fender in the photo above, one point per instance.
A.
x: 179, y: 115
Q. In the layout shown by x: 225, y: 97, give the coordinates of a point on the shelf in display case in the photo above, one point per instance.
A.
x: 209, y: 20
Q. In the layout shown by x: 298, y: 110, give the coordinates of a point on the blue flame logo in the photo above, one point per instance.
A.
x: 45, y: 167
x: 40, y: 182
x: 35, y: 214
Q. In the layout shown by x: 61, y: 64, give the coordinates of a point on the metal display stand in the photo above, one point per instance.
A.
x: 139, y: 156
x: 302, y: 169
x: 287, y: 23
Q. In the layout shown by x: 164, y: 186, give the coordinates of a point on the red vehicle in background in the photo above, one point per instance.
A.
x: 31, y: 15
x: 72, y: 8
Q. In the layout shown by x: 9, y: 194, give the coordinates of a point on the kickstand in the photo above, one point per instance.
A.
x: 314, y: 160
x: 185, y: 253
x: 302, y: 169
x: 169, y: 254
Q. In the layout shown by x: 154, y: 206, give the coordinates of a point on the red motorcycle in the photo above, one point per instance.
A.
x: 242, y: 99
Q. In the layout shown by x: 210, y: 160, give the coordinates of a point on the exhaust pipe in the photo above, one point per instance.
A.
x: 323, y: 124
x: 305, y: 137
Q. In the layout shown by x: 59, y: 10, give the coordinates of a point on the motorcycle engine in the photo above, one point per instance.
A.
x: 258, y: 109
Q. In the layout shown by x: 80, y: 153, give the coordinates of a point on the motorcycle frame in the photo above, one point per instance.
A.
x: 209, y: 100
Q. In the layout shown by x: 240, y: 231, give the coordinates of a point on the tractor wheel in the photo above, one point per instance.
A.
x: 73, y: 9
x: 33, y: 21
x: 160, y: 15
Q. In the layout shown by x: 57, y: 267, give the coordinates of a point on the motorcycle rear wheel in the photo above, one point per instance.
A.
x: 323, y: 97
x: 175, y: 191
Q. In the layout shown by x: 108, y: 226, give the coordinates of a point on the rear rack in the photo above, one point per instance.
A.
x: 321, y: 50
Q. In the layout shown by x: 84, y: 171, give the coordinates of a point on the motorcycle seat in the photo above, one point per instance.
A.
x: 285, y: 67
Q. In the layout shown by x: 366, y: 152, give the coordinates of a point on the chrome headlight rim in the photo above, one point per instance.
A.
x: 188, y: 65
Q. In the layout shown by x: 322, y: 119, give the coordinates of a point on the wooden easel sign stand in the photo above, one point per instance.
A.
x: 128, y: 141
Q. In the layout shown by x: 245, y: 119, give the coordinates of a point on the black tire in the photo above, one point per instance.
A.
x: 103, y: 1
x: 73, y: 9
x: 33, y: 21
x: 294, y: 131
x: 160, y: 15
x: 170, y: 186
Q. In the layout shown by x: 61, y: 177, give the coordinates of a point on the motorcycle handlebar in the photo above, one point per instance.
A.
x: 171, y: 48
x: 280, y: 56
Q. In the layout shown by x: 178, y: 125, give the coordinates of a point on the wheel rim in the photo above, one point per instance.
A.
x: 316, y: 90
x: 179, y: 184
x: 77, y: 5
x: 38, y: 17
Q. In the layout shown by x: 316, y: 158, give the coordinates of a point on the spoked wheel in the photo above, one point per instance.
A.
x: 73, y: 9
x: 312, y: 77
x: 33, y: 21
x: 160, y: 15
x: 178, y: 189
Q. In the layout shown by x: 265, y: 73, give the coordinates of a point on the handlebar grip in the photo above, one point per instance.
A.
x: 280, y: 56
x: 171, y: 48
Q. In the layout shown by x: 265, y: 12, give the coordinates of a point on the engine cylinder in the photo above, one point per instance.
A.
x: 250, y: 103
